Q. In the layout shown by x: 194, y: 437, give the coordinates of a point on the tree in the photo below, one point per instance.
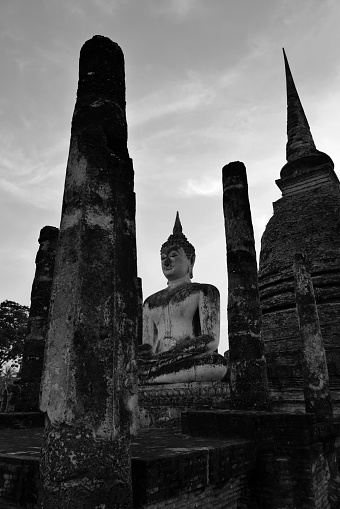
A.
x: 7, y: 377
x: 13, y: 329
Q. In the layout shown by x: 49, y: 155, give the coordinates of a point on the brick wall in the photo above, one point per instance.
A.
x: 229, y: 495
x: 19, y: 483
x: 308, y: 221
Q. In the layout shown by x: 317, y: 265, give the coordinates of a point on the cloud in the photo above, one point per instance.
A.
x: 260, y: 222
x: 10, y: 253
x: 33, y: 175
x: 13, y: 189
x: 177, y: 9
x: 41, y: 195
x: 108, y: 7
x: 11, y: 33
x: 205, y: 186
x: 75, y: 8
x: 23, y: 63
x: 52, y: 56
x: 295, y: 13
x: 176, y: 97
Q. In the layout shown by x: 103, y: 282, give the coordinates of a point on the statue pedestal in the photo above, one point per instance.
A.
x: 161, y: 405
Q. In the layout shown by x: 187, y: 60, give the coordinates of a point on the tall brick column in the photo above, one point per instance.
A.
x: 89, y: 387
x: 140, y: 311
x: 314, y: 364
x: 248, y: 377
x: 33, y: 355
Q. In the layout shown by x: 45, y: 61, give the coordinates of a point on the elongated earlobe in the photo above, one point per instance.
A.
x: 192, y: 261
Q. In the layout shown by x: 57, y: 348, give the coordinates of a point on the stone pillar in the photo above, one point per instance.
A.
x: 89, y: 385
x: 314, y: 364
x: 248, y: 377
x: 33, y: 355
x: 140, y: 312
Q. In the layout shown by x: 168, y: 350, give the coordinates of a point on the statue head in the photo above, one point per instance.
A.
x: 177, y: 254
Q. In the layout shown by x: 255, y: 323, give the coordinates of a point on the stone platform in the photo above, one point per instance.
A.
x: 296, y: 465
x: 222, y: 459
x: 162, y: 405
x: 170, y: 470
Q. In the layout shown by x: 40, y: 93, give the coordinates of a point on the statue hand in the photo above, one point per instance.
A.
x: 196, y: 345
x: 145, y: 351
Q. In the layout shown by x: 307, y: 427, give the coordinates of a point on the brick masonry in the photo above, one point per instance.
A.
x: 89, y: 383
x: 33, y: 355
x: 169, y: 470
x: 248, y: 375
x: 310, y: 222
x: 296, y: 465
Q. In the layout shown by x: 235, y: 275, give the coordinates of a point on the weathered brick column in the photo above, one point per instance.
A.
x: 248, y: 377
x: 33, y: 355
x: 140, y: 311
x: 89, y: 387
x: 314, y: 364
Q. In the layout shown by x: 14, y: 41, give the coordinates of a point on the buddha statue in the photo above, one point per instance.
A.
x: 181, y: 323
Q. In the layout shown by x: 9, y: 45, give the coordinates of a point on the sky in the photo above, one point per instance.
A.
x: 205, y: 86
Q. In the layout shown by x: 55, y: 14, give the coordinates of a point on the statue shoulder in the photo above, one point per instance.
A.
x: 156, y: 299
x: 207, y: 290
x: 180, y: 293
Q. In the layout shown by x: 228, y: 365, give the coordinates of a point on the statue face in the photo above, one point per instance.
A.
x: 175, y: 263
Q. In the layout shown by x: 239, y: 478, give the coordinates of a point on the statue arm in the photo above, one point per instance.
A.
x: 209, y: 311
x: 149, y: 332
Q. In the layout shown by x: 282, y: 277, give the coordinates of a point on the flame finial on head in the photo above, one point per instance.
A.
x: 177, y: 238
x: 177, y: 226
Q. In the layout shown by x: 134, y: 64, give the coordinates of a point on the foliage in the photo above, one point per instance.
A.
x: 13, y: 329
x: 7, y: 377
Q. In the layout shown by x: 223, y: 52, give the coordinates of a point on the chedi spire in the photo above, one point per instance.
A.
x: 300, y: 142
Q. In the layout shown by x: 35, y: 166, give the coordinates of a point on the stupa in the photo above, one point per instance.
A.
x: 306, y: 218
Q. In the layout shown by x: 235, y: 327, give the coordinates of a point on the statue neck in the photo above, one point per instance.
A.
x: 179, y: 281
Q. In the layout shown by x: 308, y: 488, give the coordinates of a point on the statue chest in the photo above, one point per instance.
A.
x: 174, y: 320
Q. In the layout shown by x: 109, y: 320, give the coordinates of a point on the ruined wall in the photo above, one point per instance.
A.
x: 307, y: 221
x: 33, y: 355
